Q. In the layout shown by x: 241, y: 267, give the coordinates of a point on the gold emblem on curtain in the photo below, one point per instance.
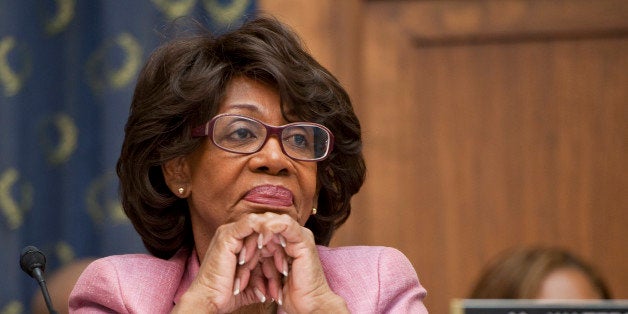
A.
x: 102, y: 206
x: 102, y: 75
x: 173, y: 9
x: 67, y: 134
x: 13, y: 211
x: 62, y: 18
x: 226, y: 14
x: 64, y: 252
x: 11, y: 80
x: 13, y: 307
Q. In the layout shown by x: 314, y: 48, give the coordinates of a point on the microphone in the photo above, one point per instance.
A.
x: 33, y: 262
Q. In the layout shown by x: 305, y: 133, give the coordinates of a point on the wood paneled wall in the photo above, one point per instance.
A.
x: 487, y: 124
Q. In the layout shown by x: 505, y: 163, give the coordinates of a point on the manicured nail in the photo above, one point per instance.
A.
x: 242, y: 256
x: 282, y: 240
x: 285, y: 268
x: 280, y: 298
x: 259, y: 295
x: 236, y: 287
x: 260, y: 241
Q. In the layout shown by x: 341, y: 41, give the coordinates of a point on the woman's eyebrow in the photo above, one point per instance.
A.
x: 244, y: 106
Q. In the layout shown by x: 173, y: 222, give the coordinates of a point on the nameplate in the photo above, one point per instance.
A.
x: 478, y: 306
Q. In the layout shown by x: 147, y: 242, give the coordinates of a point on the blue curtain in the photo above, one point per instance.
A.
x: 67, y: 71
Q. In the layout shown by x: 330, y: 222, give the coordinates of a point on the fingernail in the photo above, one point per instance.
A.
x: 285, y: 268
x: 280, y: 297
x: 236, y: 287
x: 260, y: 241
x: 259, y: 295
x: 242, y: 256
x: 282, y: 240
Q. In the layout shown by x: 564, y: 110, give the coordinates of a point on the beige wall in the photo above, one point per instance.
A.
x: 487, y: 124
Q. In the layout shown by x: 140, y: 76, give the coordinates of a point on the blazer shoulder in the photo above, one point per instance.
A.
x: 113, y: 282
x: 364, y: 255
x: 374, y: 279
x: 132, y: 263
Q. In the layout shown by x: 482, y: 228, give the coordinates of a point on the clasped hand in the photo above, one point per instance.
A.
x: 257, y: 257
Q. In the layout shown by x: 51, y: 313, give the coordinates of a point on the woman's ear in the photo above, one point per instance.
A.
x: 177, y: 176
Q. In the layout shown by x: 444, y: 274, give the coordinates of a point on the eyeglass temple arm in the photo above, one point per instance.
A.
x: 201, y: 131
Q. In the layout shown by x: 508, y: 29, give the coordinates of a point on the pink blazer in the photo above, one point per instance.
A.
x: 370, y: 279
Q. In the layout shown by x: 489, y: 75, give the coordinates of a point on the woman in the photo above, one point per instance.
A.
x: 240, y: 159
x: 539, y: 273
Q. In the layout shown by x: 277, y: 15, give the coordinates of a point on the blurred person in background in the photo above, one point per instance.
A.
x: 539, y: 273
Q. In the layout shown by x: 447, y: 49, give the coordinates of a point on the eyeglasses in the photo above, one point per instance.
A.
x: 304, y: 141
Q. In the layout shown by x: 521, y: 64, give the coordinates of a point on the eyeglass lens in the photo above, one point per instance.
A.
x: 241, y: 135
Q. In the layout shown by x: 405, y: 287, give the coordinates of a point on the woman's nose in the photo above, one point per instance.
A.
x: 271, y: 157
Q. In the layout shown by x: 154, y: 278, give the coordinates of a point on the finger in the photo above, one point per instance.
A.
x: 266, y: 236
x: 273, y: 279
x: 237, y: 283
x: 218, y: 277
x: 258, y: 283
x: 270, y: 249
x: 278, y: 239
x: 248, y: 260
x: 248, y: 251
x: 227, y: 243
x: 299, y: 241
x: 271, y: 225
x: 234, y: 233
x: 287, y: 231
x: 280, y: 260
x: 242, y: 276
x: 277, y: 255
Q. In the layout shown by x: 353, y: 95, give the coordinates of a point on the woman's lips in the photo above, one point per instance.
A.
x: 270, y: 195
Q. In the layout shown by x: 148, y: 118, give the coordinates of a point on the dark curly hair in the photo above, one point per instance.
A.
x: 182, y: 85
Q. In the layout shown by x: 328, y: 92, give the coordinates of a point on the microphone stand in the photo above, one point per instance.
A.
x: 37, y: 273
x: 33, y: 262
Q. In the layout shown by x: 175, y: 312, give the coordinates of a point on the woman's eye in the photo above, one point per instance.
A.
x: 297, y: 140
x: 242, y: 134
